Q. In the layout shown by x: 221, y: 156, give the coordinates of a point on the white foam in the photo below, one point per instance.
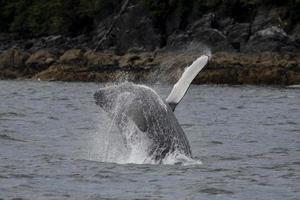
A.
x: 129, y: 145
x: 294, y: 86
x: 179, y: 158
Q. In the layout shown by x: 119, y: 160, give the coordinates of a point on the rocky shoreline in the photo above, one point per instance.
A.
x: 157, y: 66
x: 253, y: 42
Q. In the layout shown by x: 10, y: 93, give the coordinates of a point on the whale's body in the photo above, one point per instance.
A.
x: 129, y: 103
x: 152, y: 116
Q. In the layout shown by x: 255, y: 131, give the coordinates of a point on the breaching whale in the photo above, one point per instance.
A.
x: 130, y: 103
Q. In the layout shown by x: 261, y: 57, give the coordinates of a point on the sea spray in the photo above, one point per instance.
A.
x: 148, y: 131
x: 126, y: 141
x: 175, y: 61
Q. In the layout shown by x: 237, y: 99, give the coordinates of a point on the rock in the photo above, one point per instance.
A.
x: 142, y: 61
x: 270, y: 39
x: 262, y: 75
x: 52, y: 42
x: 264, y: 19
x: 268, y: 33
x: 213, y: 38
x: 72, y: 56
x: 13, y: 58
x: 12, y: 64
x: 100, y: 59
x: 296, y: 35
x: 203, y: 31
x: 206, y: 21
x: 62, y: 72
x: 266, y: 68
x: 56, y: 43
x: 73, y: 73
x: 41, y: 59
x: 273, y: 32
x: 59, y: 72
x: 178, y: 40
x: 238, y: 35
x: 129, y: 60
x: 293, y: 77
x: 217, y: 76
x: 223, y: 68
x: 224, y: 23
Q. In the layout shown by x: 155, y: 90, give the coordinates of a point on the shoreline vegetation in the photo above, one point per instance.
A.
x: 252, y: 42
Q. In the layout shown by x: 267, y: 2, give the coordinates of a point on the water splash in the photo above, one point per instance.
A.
x: 176, y: 60
x: 122, y: 141
x: 177, y: 158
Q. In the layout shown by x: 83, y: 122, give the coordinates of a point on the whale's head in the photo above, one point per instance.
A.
x: 106, y: 98
x: 109, y: 98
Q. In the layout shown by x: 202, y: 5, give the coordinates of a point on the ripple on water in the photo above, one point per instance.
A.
x: 247, y: 138
x: 7, y: 137
x: 215, y: 191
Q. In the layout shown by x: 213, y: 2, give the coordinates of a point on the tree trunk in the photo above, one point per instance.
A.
x: 113, y: 24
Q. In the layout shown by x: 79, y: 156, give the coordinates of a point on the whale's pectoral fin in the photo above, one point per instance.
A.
x: 181, y: 87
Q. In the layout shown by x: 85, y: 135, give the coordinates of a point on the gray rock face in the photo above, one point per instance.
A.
x: 263, y: 20
x: 213, y: 38
x: 201, y: 32
x: 224, y: 23
x: 238, y: 35
x: 178, y: 39
x: 204, y: 22
x: 296, y: 34
x: 264, y: 33
x: 270, y: 39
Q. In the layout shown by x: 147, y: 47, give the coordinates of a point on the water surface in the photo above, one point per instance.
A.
x: 52, y: 136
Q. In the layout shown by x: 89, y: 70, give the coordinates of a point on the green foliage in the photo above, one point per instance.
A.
x: 92, y: 8
x: 44, y: 17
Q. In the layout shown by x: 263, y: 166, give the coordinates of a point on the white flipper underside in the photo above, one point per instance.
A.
x: 185, y: 80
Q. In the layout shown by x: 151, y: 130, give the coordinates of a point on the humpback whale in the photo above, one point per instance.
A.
x: 151, y: 116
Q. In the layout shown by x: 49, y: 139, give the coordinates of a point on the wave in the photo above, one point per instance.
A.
x: 7, y: 137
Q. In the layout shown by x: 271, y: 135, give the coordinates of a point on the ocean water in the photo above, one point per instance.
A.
x: 54, y: 144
